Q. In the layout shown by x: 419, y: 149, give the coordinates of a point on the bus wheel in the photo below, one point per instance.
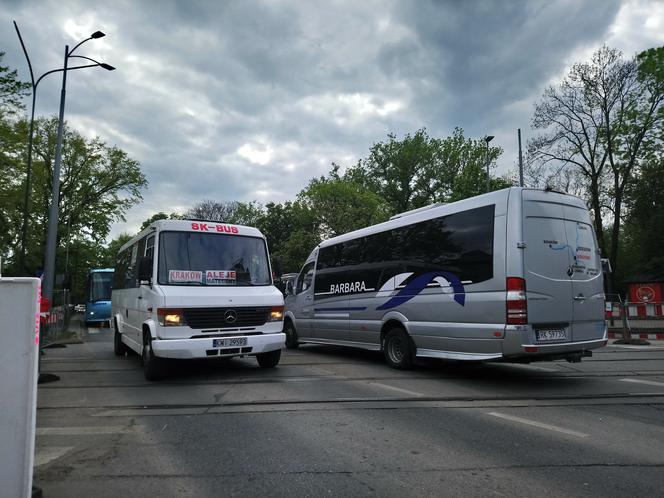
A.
x: 398, y: 349
x: 119, y: 347
x: 269, y: 359
x: 291, y: 335
x: 152, y: 365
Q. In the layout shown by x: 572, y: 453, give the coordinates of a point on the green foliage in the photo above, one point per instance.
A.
x: 290, y: 230
x: 98, y: 184
x: 643, y: 237
x: 341, y: 205
x: 111, y: 250
x: 159, y: 216
x: 420, y: 170
x: 12, y: 91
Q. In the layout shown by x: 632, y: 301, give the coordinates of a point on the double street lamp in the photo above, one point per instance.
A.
x: 49, y: 262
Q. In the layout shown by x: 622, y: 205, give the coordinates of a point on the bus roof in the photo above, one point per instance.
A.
x: 196, y: 226
x: 434, y: 211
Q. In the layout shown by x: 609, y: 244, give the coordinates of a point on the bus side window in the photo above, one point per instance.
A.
x: 304, y: 280
x: 149, y: 247
x: 132, y: 253
x: 120, y: 270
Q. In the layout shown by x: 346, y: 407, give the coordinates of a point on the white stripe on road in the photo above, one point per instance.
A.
x: 48, y: 454
x: 83, y: 431
x: 397, y: 389
x: 538, y: 424
x: 646, y: 382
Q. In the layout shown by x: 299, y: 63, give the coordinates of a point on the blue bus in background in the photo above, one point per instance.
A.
x: 98, y: 296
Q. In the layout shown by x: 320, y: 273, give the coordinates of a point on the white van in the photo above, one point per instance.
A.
x: 196, y: 289
x: 512, y: 275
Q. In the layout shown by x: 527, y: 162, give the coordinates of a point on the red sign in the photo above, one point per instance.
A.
x: 645, y: 293
x: 213, y: 227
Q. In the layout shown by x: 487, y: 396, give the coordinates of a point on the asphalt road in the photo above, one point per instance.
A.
x: 339, y: 422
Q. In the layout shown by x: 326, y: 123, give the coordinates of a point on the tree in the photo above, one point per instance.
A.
x: 601, y: 122
x: 227, y: 212
x: 291, y: 232
x: 12, y: 91
x: 159, y: 216
x: 643, y: 237
x: 341, y: 205
x: 420, y: 170
x: 98, y: 185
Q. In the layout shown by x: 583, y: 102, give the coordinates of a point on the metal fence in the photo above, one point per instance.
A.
x: 55, y: 324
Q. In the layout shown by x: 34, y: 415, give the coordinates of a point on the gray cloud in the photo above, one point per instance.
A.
x: 250, y: 99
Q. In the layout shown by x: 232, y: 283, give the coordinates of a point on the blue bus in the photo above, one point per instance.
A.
x: 98, y: 296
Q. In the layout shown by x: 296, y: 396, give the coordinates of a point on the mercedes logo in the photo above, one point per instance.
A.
x: 230, y: 316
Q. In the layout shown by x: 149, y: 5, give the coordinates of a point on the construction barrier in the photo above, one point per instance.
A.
x: 642, y: 320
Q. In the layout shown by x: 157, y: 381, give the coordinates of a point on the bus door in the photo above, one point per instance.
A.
x: 547, y: 268
x: 303, y: 300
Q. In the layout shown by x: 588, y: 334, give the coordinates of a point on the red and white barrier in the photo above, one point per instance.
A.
x: 645, y: 320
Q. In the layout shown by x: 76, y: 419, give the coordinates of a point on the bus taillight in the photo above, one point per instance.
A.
x: 516, y: 304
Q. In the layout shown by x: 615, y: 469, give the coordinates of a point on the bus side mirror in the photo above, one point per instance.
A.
x: 145, y: 271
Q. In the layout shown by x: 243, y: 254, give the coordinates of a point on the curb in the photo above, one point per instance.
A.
x: 654, y: 336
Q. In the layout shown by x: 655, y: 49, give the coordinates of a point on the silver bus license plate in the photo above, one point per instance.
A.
x: 229, y: 343
x: 551, y: 335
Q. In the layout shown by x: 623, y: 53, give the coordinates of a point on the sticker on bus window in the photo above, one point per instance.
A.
x: 220, y: 277
x: 185, y: 276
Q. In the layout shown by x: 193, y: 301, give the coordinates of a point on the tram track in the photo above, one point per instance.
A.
x: 326, y: 378
x: 364, y: 403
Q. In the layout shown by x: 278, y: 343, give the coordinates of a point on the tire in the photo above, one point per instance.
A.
x: 269, y: 359
x: 119, y: 347
x: 153, y: 367
x: 398, y: 349
x: 291, y: 335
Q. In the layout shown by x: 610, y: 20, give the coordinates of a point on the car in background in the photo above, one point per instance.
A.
x: 79, y: 308
x: 282, y: 282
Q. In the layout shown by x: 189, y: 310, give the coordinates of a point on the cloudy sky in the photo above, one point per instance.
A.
x: 247, y: 100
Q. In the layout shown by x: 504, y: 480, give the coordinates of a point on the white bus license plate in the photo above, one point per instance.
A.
x: 551, y: 335
x: 230, y: 342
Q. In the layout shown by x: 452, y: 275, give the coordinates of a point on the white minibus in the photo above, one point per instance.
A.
x: 512, y: 275
x: 196, y: 289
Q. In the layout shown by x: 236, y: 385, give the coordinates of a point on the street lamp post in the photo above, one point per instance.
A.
x: 487, y: 139
x: 49, y: 262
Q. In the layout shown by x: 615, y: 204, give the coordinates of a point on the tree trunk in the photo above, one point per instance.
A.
x: 615, y: 230
x: 597, y: 218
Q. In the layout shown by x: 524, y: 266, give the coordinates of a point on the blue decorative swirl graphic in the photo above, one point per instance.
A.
x: 419, y: 283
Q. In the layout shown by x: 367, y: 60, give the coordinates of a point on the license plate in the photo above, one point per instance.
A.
x: 551, y: 335
x: 230, y: 342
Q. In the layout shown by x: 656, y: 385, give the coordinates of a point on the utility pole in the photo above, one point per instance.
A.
x: 520, y: 161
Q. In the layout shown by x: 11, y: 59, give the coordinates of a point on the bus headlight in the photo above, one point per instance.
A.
x: 277, y: 314
x: 171, y: 317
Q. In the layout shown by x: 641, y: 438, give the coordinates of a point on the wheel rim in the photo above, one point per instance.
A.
x: 395, y: 350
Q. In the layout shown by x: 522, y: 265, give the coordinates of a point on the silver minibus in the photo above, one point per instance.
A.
x: 512, y: 275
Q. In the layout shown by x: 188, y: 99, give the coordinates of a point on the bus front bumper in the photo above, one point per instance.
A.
x: 205, y: 347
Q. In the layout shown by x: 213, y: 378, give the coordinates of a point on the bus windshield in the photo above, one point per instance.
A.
x: 189, y: 258
x: 99, y: 286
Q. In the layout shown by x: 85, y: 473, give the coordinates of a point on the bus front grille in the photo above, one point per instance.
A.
x: 208, y: 318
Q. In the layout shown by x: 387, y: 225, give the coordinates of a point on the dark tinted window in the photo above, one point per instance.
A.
x: 149, y: 247
x: 305, y: 277
x: 121, y: 267
x: 460, y: 243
